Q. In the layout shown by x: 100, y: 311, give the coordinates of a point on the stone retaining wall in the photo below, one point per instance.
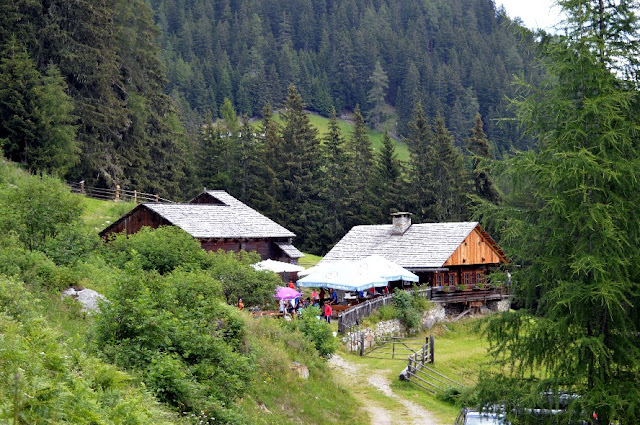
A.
x: 391, y: 327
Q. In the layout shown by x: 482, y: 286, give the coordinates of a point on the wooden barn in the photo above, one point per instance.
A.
x: 218, y: 221
x: 446, y: 256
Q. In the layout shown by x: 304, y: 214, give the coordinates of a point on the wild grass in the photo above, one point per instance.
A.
x: 100, y: 214
x: 346, y: 127
x: 460, y: 353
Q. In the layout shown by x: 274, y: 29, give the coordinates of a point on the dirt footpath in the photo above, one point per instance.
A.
x: 413, y: 414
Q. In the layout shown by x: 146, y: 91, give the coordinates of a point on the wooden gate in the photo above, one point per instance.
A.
x: 418, y: 373
x: 397, y: 348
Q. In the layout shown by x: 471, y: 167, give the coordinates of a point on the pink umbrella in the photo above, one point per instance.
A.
x: 284, y: 293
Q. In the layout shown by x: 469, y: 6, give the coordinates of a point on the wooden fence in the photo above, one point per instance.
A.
x: 397, y: 348
x: 117, y: 194
x: 355, y: 314
x: 419, y: 373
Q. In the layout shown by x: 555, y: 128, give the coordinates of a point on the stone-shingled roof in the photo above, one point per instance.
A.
x: 234, y: 219
x: 427, y: 245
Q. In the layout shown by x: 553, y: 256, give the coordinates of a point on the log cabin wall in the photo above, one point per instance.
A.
x: 266, y: 248
x: 474, y: 250
x: 136, y: 220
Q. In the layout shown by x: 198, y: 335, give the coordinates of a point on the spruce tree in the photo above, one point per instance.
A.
x: 421, y: 155
x: 268, y: 194
x: 450, y: 176
x: 300, y: 163
x: 480, y: 150
x: 36, y: 121
x: 574, y: 225
x: 362, y: 168
x: 214, y: 157
x: 390, y: 185
x: 336, y: 183
x: 377, y: 113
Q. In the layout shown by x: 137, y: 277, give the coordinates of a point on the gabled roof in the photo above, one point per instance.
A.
x: 226, y: 219
x: 233, y: 220
x: 421, y: 246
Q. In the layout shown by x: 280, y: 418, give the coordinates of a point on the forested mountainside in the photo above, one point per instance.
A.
x: 456, y: 57
x: 82, y: 94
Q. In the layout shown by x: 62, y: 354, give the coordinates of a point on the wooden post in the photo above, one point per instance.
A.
x: 431, y: 351
x: 393, y: 348
x: 82, y: 187
x: 361, y: 343
x: 157, y: 198
x: 117, y: 193
x: 135, y: 196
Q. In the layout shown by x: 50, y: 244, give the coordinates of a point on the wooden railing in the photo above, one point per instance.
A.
x: 418, y: 373
x: 117, y: 194
x: 355, y: 314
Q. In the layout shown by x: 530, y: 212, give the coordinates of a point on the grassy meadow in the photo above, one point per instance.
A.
x: 322, y: 125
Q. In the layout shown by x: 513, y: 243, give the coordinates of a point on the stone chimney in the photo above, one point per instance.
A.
x: 401, y: 222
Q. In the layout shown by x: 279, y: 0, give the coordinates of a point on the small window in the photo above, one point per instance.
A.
x: 467, y: 277
x: 452, y: 279
x: 479, y: 278
x: 439, y: 279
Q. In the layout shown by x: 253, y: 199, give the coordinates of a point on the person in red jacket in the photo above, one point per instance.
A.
x: 328, y: 311
x: 291, y: 285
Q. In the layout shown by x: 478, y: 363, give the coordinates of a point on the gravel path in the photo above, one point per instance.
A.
x: 380, y: 415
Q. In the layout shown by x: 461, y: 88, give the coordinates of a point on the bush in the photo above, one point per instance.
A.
x: 43, y: 380
x: 72, y: 244
x: 178, y: 334
x: 37, y: 208
x: 406, y: 312
x: 317, y: 331
x: 163, y: 249
x: 240, y: 280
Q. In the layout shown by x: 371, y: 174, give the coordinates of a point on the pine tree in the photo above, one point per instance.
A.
x: 574, y: 225
x: 480, y: 150
x: 377, y: 113
x: 449, y: 185
x: 421, y: 154
x: 390, y: 184
x: 300, y: 162
x: 36, y: 121
x: 268, y: 194
x: 362, y: 168
x: 335, y: 182
x: 214, y: 158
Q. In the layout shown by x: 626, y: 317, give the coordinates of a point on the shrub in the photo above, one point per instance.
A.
x: 317, y: 331
x: 71, y: 244
x: 406, y: 312
x: 163, y: 249
x: 240, y: 280
x: 43, y: 380
x: 37, y: 208
x: 202, y: 366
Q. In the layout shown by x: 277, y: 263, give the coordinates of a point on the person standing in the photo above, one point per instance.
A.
x: 328, y: 311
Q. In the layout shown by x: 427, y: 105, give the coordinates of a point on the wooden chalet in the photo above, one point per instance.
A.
x: 218, y: 221
x: 449, y: 257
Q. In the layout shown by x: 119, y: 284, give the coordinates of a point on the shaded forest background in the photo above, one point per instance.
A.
x: 162, y: 95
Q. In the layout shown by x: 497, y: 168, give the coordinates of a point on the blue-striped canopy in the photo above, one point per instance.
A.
x: 360, y: 275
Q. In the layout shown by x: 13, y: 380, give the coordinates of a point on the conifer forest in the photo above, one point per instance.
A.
x: 453, y: 111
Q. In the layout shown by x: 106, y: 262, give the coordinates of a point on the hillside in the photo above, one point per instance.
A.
x: 188, y: 358
x: 457, y: 57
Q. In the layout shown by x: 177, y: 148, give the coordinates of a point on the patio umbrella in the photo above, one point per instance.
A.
x: 344, y: 276
x: 374, y: 267
x: 284, y: 293
x: 388, y: 269
x: 277, y: 266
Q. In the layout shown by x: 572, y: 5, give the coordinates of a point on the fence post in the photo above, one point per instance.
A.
x: 82, y: 187
x: 431, y: 350
x: 361, y: 343
x: 157, y: 197
x: 117, y: 193
x: 135, y: 196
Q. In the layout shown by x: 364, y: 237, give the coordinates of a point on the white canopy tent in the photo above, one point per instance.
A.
x: 277, y: 266
x: 373, y: 271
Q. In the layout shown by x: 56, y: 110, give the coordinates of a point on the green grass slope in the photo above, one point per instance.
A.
x: 346, y: 127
